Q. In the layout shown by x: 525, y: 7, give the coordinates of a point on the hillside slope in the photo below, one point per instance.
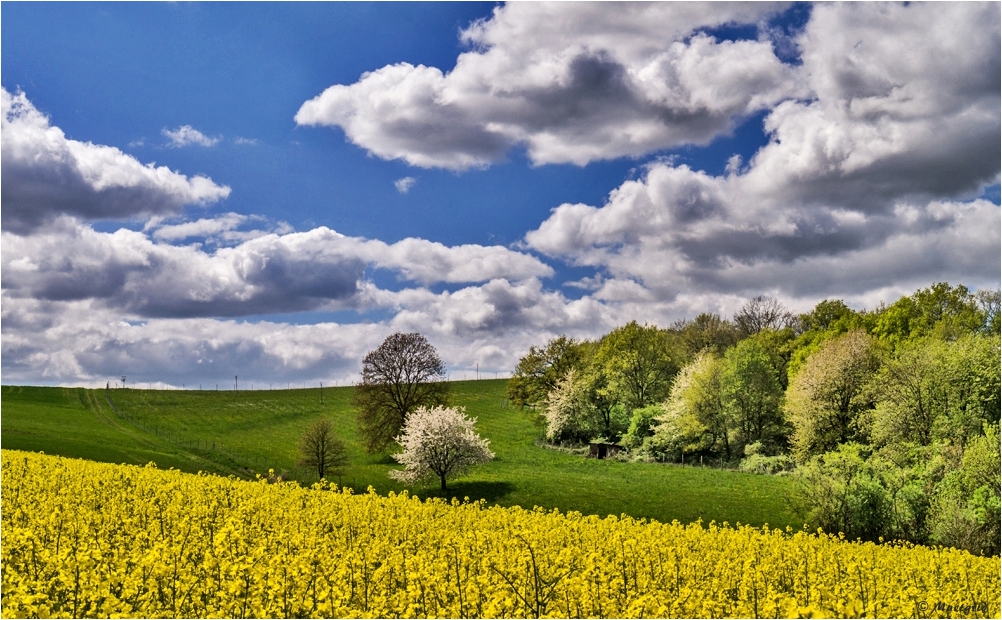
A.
x: 246, y: 432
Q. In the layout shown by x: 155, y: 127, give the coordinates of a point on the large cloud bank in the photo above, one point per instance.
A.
x: 571, y: 82
x: 882, y: 137
x: 858, y: 187
x: 46, y: 174
x: 270, y: 273
x: 79, y: 304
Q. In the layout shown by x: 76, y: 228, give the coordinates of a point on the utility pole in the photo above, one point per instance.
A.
x: 236, y: 384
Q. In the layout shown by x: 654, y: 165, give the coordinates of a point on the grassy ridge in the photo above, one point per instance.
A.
x: 251, y: 431
x: 77, y: 422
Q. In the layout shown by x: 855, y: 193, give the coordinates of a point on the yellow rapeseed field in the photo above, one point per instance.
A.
x: 89, y: 539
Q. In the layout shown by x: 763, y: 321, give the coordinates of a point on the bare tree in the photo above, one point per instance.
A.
x: 321, y: 450
x: 761, y: 313
x: 404, y: 373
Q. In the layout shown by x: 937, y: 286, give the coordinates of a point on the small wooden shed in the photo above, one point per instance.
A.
x: 602, y: 450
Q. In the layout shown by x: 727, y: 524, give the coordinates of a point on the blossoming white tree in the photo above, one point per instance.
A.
x: 439, y: 442
x: 566, y: 408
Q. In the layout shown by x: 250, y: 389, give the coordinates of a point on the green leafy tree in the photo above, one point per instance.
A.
x: 610, y: 416
x: 826, y: 400
x: 828, y: 320
x: 842, y: 492
x: 826, y: 315
x: 932, y: 390
x: 973, y: 364
x: 751, y: 394
x: 707, y: 331
x: 778, y: 345
x: 402, y: 374
x: 642, y: 423
x: 755, y: 462
x: 941, y: 310
x: 637, y: 364
x: 988, y: 302
x: 539, y: 371
x: 912, y: 391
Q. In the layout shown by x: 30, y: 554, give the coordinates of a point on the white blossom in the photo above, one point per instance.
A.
x: 439, y: 442
x: 566, y: 410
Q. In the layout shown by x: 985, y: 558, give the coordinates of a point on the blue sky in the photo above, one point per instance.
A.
x: 567, y: 168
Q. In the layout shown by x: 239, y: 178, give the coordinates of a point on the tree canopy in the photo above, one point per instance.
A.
x: 542, y: 368
x: 887, y: 418
x: 402, y: 374
x: 707, y: 332
x: 751, y: 394
x: 941, y: 310
x: 826, y: 398
x: 693, y: 419
x: 638, y: 363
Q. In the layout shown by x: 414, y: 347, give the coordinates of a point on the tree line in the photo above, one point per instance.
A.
x: 888, y: 419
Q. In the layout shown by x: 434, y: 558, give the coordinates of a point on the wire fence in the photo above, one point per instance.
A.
x: 215, y: 450
x: 257, y: 386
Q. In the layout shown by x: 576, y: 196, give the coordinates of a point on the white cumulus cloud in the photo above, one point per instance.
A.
x: 187, y: 135
x: 879, y: 145
x: 83, y: 342
x: 569, y: 81
x: 405, y: 184
x: 46, y: 174
x: 866, y: 185
x: 265, y: 272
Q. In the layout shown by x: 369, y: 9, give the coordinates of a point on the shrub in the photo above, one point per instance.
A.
x: 841, y: 493
x: 761, y: 464
x: 641, y: 426
x: 966, y: 510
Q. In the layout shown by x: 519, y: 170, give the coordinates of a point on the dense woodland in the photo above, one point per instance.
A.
x: 887, y: 418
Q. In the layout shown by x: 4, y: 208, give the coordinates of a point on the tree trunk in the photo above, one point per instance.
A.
x: 443, y: 482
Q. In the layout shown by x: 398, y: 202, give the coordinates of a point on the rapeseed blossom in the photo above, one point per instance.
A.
x: 90, y: 539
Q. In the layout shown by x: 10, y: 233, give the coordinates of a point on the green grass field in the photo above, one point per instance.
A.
x: 246, y: 432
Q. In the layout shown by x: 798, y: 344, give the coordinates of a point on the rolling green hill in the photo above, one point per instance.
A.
x: 248, y: 432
